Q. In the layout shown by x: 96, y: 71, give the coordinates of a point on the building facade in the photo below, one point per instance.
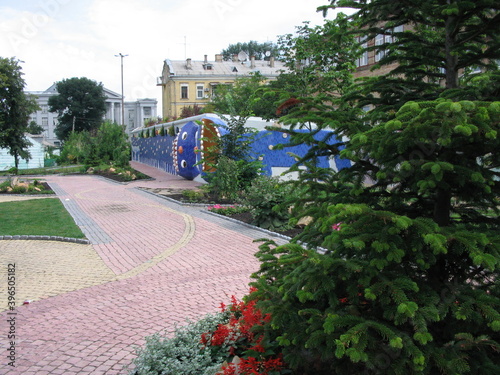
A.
x: 188, y: 83
x: 136, y: 113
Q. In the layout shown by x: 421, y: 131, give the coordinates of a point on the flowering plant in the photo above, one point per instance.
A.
x: 249, y: 345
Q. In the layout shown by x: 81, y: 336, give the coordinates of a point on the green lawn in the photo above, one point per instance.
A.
x: 46, y: 171
x: 40, y: 217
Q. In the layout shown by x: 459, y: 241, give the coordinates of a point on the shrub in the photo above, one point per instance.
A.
x: 77, y: 148
x: 111, y: 145
x: 251, y: 350
x: 232, y: 177
x: 227, y: 210
x: 184, y: 353
x: 193, y: 195
x: 267, y: 198
x: 223, y: 182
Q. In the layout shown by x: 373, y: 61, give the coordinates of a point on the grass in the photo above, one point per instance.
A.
x: 45, y: 171
x: 37, y: 217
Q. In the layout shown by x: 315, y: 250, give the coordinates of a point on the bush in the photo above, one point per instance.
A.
x: 184, y: 353
x: 193, y: 195
x: 111, y: 145
x: 252, y: 350
x: 77, y: 148
x: 227, y: 210
x: 232, y: 177
x: 267, y: 198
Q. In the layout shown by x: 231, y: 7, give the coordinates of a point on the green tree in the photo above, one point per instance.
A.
x: 80, y: 105
x: 449, y: 39
x: 402, y: 274
x: 240, y: 98
x: 34, y: 128
x: 111, y: 145
x: 261, y: 51
x: 15, y: 108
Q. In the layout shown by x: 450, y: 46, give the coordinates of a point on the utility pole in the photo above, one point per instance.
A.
x: 123, y: 104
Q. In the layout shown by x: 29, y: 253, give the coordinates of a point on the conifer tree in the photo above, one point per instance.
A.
x: 400, y: 276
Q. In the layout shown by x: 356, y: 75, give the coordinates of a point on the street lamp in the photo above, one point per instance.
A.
x: 123, y: 104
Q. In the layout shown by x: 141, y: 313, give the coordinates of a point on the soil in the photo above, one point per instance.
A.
x: 121, y: 177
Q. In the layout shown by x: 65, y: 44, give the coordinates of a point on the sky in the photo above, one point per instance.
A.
x: 59, y: 39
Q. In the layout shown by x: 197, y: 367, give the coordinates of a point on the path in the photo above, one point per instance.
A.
x: 151, y: 265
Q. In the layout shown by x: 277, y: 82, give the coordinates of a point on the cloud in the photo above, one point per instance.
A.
x: 60, y: 39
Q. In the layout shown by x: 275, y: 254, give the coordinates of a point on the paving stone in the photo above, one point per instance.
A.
x: 151, y: 265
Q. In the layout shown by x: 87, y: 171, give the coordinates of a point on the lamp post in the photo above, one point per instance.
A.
x: 123, y: 104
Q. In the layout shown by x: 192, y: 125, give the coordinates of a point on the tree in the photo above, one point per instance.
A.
x: 252, y: 48
x: 190, y: 111
x: 34, y: 128
x: 402, y: 272
x: 451, y: 38
x: 15, y: 108
x: 80, y: 104
x: 240, y: 98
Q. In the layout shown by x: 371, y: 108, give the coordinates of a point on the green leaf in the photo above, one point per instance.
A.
x: 396, y: 343
x: 456, y: 107
x: 423, y: 337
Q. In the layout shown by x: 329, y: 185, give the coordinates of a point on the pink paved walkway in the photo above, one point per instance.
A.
x: 170, y: 266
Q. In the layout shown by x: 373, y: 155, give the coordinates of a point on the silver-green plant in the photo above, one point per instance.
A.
x: 182, y: 353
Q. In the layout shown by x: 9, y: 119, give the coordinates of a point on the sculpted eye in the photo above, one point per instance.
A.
x: 184, y: 136
x: 184, y: 164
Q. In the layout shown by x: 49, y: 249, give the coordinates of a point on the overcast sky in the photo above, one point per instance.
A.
x: 60, y: 39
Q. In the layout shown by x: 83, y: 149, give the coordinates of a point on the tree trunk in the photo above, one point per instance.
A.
x: 442, y: 207
x: 451, y: 59
x: 16, y: 162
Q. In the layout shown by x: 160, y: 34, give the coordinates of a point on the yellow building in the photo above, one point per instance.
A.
x: 188, y: 83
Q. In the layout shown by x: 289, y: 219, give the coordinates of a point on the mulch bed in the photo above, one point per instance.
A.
x: 45, y: 187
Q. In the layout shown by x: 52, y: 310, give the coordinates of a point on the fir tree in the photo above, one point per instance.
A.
x: 404, y: 250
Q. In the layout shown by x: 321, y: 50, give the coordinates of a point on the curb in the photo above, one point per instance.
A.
x: 271, y: 233
x: 174, y: 200
x: 45, y: 238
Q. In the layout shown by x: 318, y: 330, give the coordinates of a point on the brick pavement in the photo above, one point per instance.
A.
x: 152, y: 265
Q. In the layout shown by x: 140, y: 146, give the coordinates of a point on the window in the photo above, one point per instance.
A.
x: 363, y: 59
x: 381, y: 39
x: 184, y: 91
x: 199, y: 91
x: 45, y: 109
x: 147, y: 111
x: 45, y: 121
x: 380, y: 53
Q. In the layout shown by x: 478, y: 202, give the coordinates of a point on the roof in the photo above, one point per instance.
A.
x: 222, y: 68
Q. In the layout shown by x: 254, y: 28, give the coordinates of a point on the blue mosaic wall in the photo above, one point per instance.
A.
x: 157, y: 152
x: 281, y: 158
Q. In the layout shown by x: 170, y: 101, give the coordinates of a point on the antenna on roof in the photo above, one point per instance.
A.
x: 242, y: 56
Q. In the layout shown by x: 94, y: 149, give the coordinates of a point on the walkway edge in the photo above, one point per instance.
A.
x: 45, y: 238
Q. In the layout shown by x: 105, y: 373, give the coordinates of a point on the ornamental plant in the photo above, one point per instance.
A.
x: 183, y: 353
x: 267, y: 199
x: 246, y: 334
x: 227, y: 210
x: 407, y: 283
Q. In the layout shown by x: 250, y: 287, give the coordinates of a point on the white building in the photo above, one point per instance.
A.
x: 37, y: 151
x: 136, y: 113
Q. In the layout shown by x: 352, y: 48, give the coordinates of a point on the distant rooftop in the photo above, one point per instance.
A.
x: 221, y: 67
